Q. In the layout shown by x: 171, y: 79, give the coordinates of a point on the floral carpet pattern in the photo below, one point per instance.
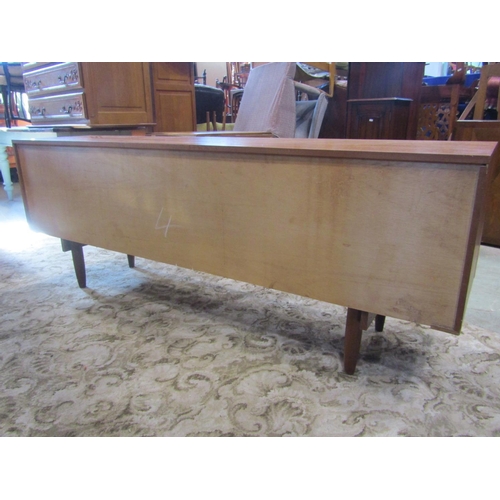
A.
x: 163, y: 351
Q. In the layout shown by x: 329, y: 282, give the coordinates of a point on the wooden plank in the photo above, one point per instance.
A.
x: 390, y: 150
x: 387, y: 236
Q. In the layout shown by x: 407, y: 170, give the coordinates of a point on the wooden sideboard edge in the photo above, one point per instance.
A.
x: 473, y: 246
x: 459, y: 152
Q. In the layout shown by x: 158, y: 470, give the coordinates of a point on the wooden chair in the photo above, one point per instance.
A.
x: 235, y: 95
x: 478, y: 103
x: 479, y: 129
x: 486, y: 130
x: 438, y: 107
x: 209, y: 102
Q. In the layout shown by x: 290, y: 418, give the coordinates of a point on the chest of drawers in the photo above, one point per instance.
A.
x: 89, y: 94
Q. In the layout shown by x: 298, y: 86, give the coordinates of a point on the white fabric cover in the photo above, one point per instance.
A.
x: 319, y: 114
x: 310, y: 116
x: 268, y: 102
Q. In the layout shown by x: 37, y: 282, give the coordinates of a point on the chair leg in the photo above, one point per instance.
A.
x: 5, y: 99
x: 131, y: 261
x: 5, y: 169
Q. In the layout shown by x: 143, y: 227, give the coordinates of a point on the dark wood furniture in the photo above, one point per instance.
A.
x: 438, y: 109
x: 375, y: 80
x: 487, y: 72
x: 335, y: 119
x: 479, y: 130
x: 385, y: 227
x: 383, y: 118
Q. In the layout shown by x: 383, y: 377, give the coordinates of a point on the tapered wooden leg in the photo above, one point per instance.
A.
x: 131, y: 260
x: 352, y: 339
x: 79, y: 263
x: 78, y: 260
x: 379, y: 323
x: 356, y: 322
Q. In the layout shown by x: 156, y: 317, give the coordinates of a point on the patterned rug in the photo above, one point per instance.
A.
x: 164, y: 351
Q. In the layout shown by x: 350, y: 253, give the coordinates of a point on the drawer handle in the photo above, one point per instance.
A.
x: 37, y: 111
x: 71, y: 77
x: 30, y: 85
x: 77, y: 107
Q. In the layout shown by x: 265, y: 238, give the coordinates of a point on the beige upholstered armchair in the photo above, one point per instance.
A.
x: 269, y: 105
x: 268, y: 102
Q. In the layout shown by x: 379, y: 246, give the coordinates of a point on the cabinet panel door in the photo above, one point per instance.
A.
x: 170, y: 72
x: 367, y: 122
x: 375, y: 80
x: 175, y: 109
x: 118, y: 93
x: 378, y: 119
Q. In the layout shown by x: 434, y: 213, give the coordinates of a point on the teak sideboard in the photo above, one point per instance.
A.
x: 386, y: 228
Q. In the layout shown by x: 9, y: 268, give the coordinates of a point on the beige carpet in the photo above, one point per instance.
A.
x: 163, y: 351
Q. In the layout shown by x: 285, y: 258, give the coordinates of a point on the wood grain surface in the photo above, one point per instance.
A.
x: 389, y: 227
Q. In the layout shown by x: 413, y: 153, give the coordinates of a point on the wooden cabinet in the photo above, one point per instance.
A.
x: 118, y: 93
x: 385, y: 118
x: 90, y: 93
x: 487, y: 130
x: 377, y: 80
x: 55, y: 93
x: 112, y: 95
x: 174, y: 98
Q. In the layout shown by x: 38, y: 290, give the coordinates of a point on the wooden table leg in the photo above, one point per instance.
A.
x: 356, y: 322
x: 352, y: 340
x: 78, y: 260
x: 79, y: 263
x: 379, y: 323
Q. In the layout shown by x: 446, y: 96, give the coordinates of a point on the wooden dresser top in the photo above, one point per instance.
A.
x: 389, y: 150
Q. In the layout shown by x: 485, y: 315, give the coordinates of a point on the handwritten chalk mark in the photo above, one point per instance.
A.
x: 157, y: 226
